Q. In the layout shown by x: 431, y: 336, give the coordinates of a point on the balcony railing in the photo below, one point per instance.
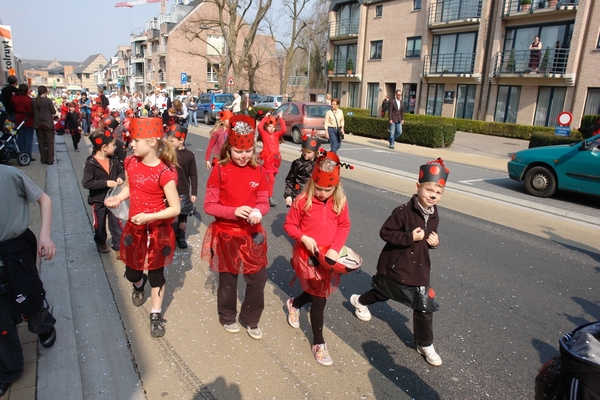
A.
x: 515, y: 6
x: 153, y: 34
x: 446, y: 11
x: 212, y: 77
x: 339, y: 66
x: 551, y: 61
x: 162, y: 50
x: 460, y: 63
x: 344, y: 27
x: 161, y: 77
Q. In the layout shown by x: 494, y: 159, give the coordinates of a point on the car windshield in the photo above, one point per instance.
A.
x: 317, y: 110
x: 223, y: 98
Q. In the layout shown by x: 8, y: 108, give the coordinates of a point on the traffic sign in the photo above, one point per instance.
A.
x: 230, y: 81
x: 562, y: 131
x: 565, y: 118
x: 183, y: 78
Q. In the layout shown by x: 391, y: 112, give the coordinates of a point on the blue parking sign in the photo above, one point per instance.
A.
x: 183, y: 78
x: 562, y: 131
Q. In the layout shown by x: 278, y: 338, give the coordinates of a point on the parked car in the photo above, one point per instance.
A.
x: 209, y: 105
x: 255, y: 97
x: 575, y: 168
x: 303, y: 118
x: 271, y: 101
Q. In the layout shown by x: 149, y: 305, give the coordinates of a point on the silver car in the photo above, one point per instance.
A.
x: 272, y: 101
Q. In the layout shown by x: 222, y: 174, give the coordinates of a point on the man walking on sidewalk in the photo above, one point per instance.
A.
x: 396, y: 113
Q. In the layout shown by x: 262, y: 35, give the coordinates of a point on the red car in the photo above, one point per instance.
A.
x: 302, y: 118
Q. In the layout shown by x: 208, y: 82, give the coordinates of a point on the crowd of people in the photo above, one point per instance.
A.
x: 139, y: 157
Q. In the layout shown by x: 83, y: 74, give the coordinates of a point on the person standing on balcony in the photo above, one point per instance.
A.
x: 535, y: 54
x: 396, y: 115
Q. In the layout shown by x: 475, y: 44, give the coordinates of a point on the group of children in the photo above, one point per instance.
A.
x: 238, y: 195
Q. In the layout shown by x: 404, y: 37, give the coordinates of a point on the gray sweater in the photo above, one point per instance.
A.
x: 43, y: 112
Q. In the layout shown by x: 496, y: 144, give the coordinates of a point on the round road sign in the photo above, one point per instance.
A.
x: 565, y: 118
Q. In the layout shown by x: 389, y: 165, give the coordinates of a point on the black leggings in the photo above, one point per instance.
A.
x: 156, y: 277
x: 317, y: 309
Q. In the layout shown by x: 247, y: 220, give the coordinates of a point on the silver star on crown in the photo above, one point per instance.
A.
x: 242, y: 128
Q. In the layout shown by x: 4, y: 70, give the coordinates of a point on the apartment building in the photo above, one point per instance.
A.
x: 469, y: 58
x: 182, y: 42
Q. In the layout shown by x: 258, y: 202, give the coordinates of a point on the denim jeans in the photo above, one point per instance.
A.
x: 193, y: 118
x: 25, y: 139
x: 397, y: 127
x: 334, y: 139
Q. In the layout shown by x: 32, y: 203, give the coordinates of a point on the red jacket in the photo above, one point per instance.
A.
x: 23, y: 109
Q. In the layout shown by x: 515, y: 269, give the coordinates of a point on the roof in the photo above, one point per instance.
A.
x: 86, y: 63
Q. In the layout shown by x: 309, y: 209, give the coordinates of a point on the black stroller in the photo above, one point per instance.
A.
x: 9, y: 148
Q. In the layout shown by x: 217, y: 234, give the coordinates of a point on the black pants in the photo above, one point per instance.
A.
x: 100, y: 214
x: 76, y: 136
x: 422, y: 321
x: 179, y: 227
x: 11, y: 353
x: 317, y: 311
x: 254, y: 301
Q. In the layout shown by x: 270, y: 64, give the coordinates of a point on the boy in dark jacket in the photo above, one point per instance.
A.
x: 404, y: 268
x: 102, y: 171
x: 301, y: 169
x: 73, y: 124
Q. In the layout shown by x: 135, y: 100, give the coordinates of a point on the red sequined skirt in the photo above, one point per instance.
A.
x: 313, y: 278
x: 149, y: 246
x: 235, y: 247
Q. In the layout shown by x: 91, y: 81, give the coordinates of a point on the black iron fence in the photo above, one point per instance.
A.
x: 515, y: 6
x: 340, y: 66
x: 460, y: 63
x: 344, y: 27
x: 451, y: 11
x: 547, y: 61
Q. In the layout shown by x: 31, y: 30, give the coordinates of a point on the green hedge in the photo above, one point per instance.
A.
x: 588, y: 121
x: 540, y: 139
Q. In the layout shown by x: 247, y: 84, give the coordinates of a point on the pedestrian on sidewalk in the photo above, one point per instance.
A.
x: 43, y: 115
x: 237, y: 196
x: 103, y: 171
x: 404, y: 267
x: 334, y: 125
x: 319, y: 222
x: 396, y: 115
x: 148, y: 240
x: 218, y: 137
x: 187, y: 183
x: 270, y: 155
x: 23, y: 106
x: 22, y: 293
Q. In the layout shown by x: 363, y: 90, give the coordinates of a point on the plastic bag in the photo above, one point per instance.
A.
x: 122, y: 210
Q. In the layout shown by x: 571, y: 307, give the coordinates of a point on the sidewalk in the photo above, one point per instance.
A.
x: 82, y: 284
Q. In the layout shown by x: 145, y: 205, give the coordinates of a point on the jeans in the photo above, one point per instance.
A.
x: 193, y: 118
x: 334, y: 139
x: 397, y: 127
x: 85, y: 123
x: 25, y: 139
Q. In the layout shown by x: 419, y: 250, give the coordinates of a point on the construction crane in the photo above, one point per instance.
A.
x: 130, y: 4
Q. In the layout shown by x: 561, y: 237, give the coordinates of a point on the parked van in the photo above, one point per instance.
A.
x: 209, y: 105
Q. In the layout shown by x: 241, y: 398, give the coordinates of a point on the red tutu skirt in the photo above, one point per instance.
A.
x: 313, y: 278
x: 234, y: 247
x: 149, y: 246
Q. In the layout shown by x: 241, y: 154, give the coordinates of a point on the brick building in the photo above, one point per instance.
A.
x: 469, y: 58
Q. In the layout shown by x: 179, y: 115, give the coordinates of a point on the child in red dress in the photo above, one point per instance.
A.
x: 218, y: 136
x: 148, y: 240
x: 236, y: 195
x: 318, y: 221
x: 270, y: 153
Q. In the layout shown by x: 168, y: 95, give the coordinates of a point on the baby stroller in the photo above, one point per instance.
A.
x: 9, y: 148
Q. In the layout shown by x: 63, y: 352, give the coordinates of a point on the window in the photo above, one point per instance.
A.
x: 336, y: 90
x: 592, y: 103
x: 465, y: 101
x: 413, y: 47
x: 378, y: 11
x: 372, y: 97
x: 453, y: 53
x: 341, y: 54
x: 435, y: 99
x: 598, y: 44
x: 409, y: 96
x: 416, y: 4
x: 211, y: 72
x: 87, y: 76
x: 353, y: 88
x: 215, y: 45
x: 507, y: 104
x: 550, y: 103
x: 376, y: 47
x: 347, y: 18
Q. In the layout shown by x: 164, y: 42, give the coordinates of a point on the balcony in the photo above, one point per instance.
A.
x: 153, y: 34
x: 443, y: 13
x: 161, y: 77
x: 136, y: 58
x: 137, y: 38
x: 515, y: 8
x: 343, y: 28
x: 212, y: 77
x: 553, y: 63
x: 162, y: 50
x: 148, y: 55
x: 137, y: 78
x: 339, y: 67
x: 462, y: 64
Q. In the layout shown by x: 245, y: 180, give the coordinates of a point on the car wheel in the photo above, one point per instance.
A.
x: 296, y: 136
x: 540, y: 182
x: 206, y: 119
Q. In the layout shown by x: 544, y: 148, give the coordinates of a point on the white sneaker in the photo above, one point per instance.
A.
x: 430, y: 355
x: 232, y: 328
x: 255, y: 333
x: 362, y: 312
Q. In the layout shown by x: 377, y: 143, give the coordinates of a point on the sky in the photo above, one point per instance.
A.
x: 72, y: 30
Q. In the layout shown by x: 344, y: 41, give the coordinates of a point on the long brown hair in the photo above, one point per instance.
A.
x: 166, y: 152
x: 225, y: 156
x: 338, y: 197
x: 41, y: 90
x: 220, y: 124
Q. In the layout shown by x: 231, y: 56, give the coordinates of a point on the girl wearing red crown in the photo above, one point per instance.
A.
x: 270, y: 153
x: 148, y: 240
x: 187, y: 182
x: 218, y: 137
x: 319, y: 222
x: 237, y: 196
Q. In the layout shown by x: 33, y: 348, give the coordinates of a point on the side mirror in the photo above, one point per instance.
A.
x: 584, y: 146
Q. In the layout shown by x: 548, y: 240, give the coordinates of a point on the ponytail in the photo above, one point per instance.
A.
x: 166, y: 153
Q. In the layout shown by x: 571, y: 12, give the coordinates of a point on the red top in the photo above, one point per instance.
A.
x: 320, y: 223
x: 230, y: 186
x: 217, y: 139
x: 23, y: 109
x: 270, y: 141
x: 146, y: 185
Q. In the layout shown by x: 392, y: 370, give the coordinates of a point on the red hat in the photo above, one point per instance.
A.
x: 177, y: 131
x: 271, y: 120
x: 110, y: 122
x: 241, y: 132
x: 146, y: 128
x: 129, y: 112
x: 115, y: 114
x: 434, y: 171
x: 225, y: 114
x: 327, y: 170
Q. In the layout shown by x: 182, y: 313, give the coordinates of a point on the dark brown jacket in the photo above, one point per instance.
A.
x: 43, y: 112
x: 396, y: 114
x: 403, y: 260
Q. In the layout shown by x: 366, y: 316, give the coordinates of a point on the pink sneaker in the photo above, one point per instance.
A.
x: 322, y: 354
x: 293, y: 314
